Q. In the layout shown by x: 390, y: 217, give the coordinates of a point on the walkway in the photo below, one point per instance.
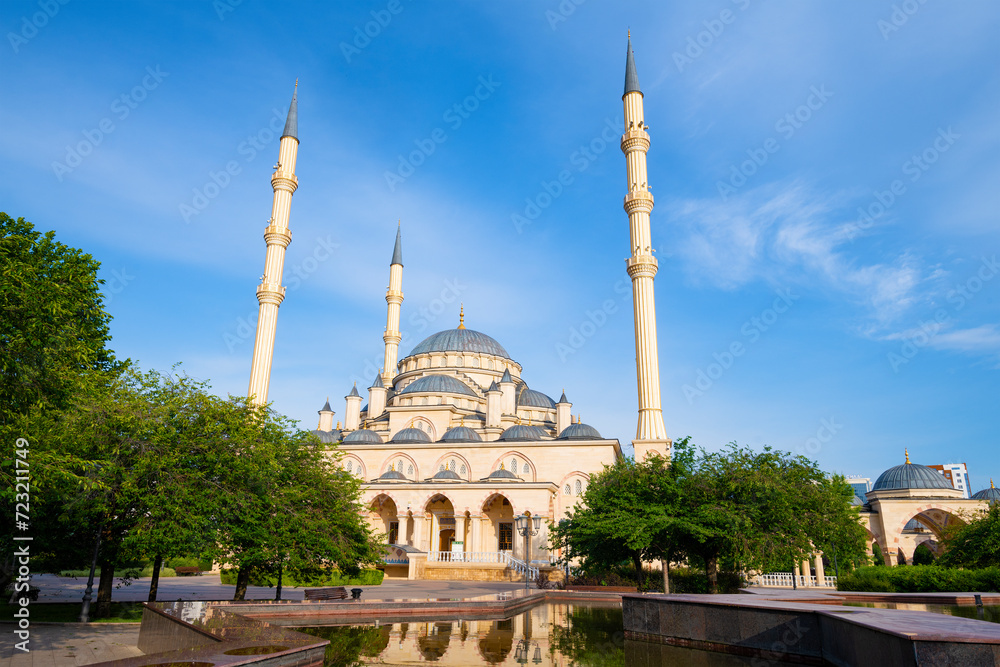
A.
x: 58, y: 644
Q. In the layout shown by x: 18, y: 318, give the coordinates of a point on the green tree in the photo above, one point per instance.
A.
x: 974, y: 544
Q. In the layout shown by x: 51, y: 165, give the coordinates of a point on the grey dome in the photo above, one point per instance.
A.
x: 857, y: 501
x: 530, y: 398
x: 410, y: 435
x: 460, y: 434
x: 501, y: 475
x: 446, y: 476
x: 392, y: 476
x: 327, y: 437
x: 439, y: 384
x: 363, y: 435
x: 460, y: 340
x: 523, y: 432
x: 580, y: 432
x: 910, y: 476
x: 991, y: 494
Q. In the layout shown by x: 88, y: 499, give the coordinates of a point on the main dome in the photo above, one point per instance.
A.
x: 460, y: 340
x: 910, y: 476
x: 438, y: 384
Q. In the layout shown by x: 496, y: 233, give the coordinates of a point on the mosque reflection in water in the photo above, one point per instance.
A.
x: 549, y: 634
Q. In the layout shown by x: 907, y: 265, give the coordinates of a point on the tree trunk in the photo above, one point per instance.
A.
x: 665, y: 564
x: 637, y: 560
x: 277, y: 591
x: 154, y: 583
x: 712, y: 569
x: 103, y: 609
x: 242, y: 581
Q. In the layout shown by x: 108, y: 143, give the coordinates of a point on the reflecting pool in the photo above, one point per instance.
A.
x: 987, y: 613
x: 548, y: 634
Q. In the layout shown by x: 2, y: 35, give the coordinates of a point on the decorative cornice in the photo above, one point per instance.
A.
x: 638, y: 200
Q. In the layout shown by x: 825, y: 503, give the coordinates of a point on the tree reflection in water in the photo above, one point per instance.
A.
x: 592, y: 637
x: 349, y: 644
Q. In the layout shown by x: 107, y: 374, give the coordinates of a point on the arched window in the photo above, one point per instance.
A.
x: 441, y: 469
x: 350, y: 464
x: 568, y: 491
x: 409, y: 471
x: 527, y: 469
x: 451, y: 466
x: 489, y: 364
x: 579, y: 487
x: 399, y: 465
x: 463, y: 469
x: 513, y: 465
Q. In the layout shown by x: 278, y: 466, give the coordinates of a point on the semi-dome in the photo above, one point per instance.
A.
x: 529, y: 398
x: 439, y: 384
x: 580, y: 432
x: 363, y: 436
x: 446, y: 475
x: 327, y: 437
x: 501, y: 475
x: 392, y: 475
x: 910, y: 476
x: 523, y: 432
x: 460, y: 340
x: 991, y: 494
x: 410, y: 435
x: 460, y: 434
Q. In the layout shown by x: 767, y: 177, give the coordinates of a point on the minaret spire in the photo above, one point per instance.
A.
x: 394, y: 299
x: 651, y: 435
x: 270, y: 292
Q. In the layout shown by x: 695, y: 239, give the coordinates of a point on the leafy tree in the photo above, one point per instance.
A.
x: 975, y: 544
x: 923, y: 555
x: 877, y: 557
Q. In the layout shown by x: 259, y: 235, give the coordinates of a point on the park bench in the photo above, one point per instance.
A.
x: 335, y: 593
x: 186, y: 570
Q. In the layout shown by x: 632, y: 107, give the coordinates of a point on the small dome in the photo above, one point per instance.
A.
x: 363, y: 436
x: 410, y: 435
x: 446, y: 475
x: 501, y: 475
x: 327, y: 437
x: 523, y: 432
x: 910, y: 476
x: 991, y: 494
x: 460, y: 434
x: 529, y: 398
x: 439, y: 384
x: 857, y: 501
x: 391, y: 475
x: 580, y: 432
x: 460, y: 340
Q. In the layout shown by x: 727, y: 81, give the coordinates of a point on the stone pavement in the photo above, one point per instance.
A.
x: 57, y: 644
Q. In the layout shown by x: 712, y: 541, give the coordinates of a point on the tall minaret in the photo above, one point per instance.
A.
x: 651, y: 435
x: 270, y: 293
x: 394, y: 297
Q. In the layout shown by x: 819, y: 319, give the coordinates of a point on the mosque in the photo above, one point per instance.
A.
x: 456, y: 452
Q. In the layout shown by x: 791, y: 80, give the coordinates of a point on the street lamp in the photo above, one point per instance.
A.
x: 527, y: 527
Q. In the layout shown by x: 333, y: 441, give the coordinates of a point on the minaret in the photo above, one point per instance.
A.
x: 270, y: 292
x: 651, y: 435
x: 394, y: 297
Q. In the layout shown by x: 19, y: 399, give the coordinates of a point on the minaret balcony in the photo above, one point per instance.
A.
x: 277, y: 235
x: 641, y: 266
x: 284, y: 180
x: 638, y: 200
x: 635, y: 140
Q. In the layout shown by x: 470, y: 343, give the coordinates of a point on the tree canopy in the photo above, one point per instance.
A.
x: 976, y: 543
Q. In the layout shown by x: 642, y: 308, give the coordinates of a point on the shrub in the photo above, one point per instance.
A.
x: 922, y: 555
x: 920, y: 579
x: 369, y: 577
x: 184, y: 561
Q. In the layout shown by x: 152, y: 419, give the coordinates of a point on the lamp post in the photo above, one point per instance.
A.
x: 527, y: 527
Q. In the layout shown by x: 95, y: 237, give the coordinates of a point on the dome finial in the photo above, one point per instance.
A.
x: 907, y: 451
x: 461, y: 316
x: 991, y: 483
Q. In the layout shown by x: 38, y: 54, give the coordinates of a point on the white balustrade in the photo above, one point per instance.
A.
x: 499, y: 557
x: 784, y: 580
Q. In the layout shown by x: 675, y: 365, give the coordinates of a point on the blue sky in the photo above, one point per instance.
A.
x: 825, y: 178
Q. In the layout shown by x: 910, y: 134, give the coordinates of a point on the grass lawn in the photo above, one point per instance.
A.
x: 69, y: 612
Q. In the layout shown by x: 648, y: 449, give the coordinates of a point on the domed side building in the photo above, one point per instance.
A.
x: 912, y: 504
x: 453, y: 444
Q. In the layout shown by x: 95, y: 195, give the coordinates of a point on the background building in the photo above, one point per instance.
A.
x: 957, y: 475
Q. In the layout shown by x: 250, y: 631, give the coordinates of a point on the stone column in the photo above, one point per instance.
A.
x: 475, y: 533
x: 804, y: 571
x: 418, y: 531
x: 820, y: 573
x: 460, y: 529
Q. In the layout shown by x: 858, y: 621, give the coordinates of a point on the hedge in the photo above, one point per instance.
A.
x: 920, y: 579
x: 333, y: 578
